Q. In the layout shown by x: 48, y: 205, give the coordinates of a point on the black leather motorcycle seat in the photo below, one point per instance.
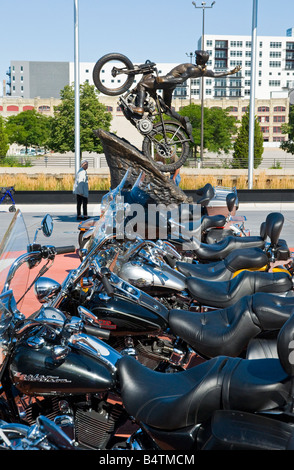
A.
x: 229, y: 331
x: 220, y: 250
x: 225, y: 293
x: 236, y: 430
x: 256, y: 385
x: 217, y: 332
x: 247, y: 258
x: 173, y: 401
x: 170, y: 401
x: 272, y: 310
x: 210, y: 271
x: 261, y: 348
x: 209, y: 221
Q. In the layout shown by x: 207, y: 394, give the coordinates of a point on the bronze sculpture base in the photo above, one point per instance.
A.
x: 121, y: 156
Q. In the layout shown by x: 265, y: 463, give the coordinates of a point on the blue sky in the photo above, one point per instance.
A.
x: 165, y: 32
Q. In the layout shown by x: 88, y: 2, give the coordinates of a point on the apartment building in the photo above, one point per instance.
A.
x: 274, y: 66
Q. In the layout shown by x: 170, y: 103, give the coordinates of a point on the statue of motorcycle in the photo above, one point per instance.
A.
x: 167, y: 142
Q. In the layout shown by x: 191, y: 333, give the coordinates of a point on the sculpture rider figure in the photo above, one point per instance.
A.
x: 174, y: 78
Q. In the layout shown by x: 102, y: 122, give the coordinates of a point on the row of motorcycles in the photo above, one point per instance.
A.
x: 179, y: 343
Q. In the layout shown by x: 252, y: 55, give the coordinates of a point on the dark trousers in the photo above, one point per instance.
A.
x: 82, y: 201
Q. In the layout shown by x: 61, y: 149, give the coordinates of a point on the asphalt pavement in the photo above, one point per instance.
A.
x: 65, y: 230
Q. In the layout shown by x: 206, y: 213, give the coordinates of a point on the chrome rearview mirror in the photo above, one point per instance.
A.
x: 46, y: 227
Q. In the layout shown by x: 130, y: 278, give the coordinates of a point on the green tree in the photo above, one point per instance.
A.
x: 4, y: 143
x: 28, y: 128
x: 93, y: 115
x: 219, y: 127
x: 241, y: 144
x: 288, y: 128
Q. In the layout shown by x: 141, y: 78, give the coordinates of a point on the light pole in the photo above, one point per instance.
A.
x: 190, y: 55
x: 203, y: 6
x: 77, y: 86
x: 252, y: 96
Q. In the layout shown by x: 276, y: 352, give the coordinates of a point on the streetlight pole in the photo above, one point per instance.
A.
x: 190, y: 55
x: 77, y: 86
x: 252, y: 97
x: 203, y: 6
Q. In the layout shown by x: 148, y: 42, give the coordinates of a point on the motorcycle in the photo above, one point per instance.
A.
x: 162, y: 338
x: 207, y: 228
x: 51, y: 364
x: 167, y: 142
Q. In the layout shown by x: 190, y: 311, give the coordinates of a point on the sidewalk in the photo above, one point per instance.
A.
x: 95, y: 208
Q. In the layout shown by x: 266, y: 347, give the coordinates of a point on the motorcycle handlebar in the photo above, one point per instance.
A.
x: 107, y: 285
x: 96, y: 331
x: 65, y: 249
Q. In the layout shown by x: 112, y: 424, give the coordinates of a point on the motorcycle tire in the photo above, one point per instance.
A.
x: 127, y: 79
x: 169, y: 156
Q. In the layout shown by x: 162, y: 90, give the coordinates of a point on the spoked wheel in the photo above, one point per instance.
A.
x: 120, y: 68
x: 169, y: 146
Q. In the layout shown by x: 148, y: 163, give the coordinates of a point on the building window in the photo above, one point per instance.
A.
x: 276, y: 130
x: 279, y: 118
x: 263, y: 118
x: 275, y: 63
x: 274, y: 83
x: 247, y: 63
x: 279, y: 108
x: 275, y: 54
x: 43, y: 108
x: 12, y: 108
x: 236, y: 43
x: 265, y: 130
x: 278, y: 139
x: 236, y: 53
x: 275, y: 44
x: 263, y: 109
x: 220, y: 64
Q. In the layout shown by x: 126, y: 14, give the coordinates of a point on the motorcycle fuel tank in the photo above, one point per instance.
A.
x: 145, y: 275
x: 35, y: 371
x: 121, y: 315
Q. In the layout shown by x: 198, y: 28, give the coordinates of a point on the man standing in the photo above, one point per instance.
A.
x: 81, y: 190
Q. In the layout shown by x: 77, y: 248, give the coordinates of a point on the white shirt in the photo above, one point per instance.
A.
x: 81, y: 183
